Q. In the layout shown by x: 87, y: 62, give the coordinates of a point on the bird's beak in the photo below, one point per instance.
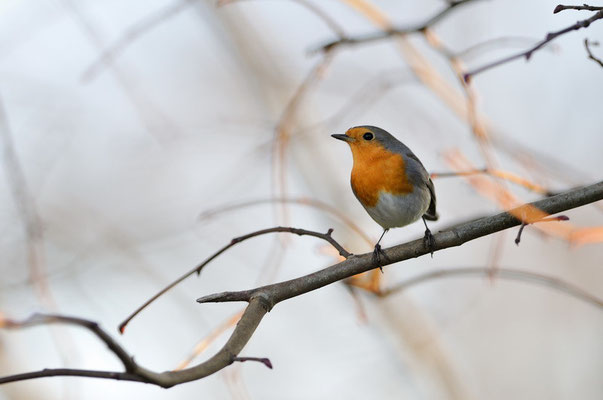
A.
x: 345, y: 138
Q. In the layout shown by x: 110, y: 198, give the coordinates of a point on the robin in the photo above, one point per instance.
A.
x: 389, y: 181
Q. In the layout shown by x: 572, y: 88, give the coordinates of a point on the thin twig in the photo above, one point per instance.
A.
x: 528, y: 53
x: 587, y: 45
x: 49, y: 372
x: 301, y: 232
x: 586, y: 7
x: 262, y: 360
x: 372, y: 37
x: 46, y: 319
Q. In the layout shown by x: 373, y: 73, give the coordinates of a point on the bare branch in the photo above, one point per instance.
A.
x: 372, y: 37
x: 262, y: 299
x: 252, y: 316
x: 48, y: 372
x: 528, y: 53
x: 561, y: 7
x: 301, y: 232
x: 452, y: 237
x: 587, y: 45
x: 45, y: 319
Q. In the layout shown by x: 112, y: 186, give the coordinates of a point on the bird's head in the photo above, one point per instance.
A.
x: 366, y: 139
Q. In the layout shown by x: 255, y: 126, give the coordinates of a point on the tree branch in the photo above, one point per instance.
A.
x: 45, y: 319
x: 587, y: 45
x: 372, y: 37
x: 262, y: 299
x: 300, y: 232
x: 548, y: 38
x: 586, y: 7
x: 452, y: 237
x: 255, y: 311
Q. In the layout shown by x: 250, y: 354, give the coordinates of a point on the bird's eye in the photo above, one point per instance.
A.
x: 368, y: 136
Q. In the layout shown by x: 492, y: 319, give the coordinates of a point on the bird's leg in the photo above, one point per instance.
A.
x: 428, y: 239
x: 377, y: 252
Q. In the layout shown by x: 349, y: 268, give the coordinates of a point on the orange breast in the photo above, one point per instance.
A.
x: 377, y: 169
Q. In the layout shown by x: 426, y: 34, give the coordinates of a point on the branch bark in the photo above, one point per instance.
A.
x: 452, y: 237
x: 262, y: 299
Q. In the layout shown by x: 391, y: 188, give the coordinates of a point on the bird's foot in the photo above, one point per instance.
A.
x: 377, y: 255
x: 429, y: 241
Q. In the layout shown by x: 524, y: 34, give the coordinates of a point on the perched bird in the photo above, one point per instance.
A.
x: 389, y: 181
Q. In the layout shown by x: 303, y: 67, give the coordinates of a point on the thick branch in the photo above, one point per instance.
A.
x: 527, y: 54
x: 257, y: 308
x: 452, y: 237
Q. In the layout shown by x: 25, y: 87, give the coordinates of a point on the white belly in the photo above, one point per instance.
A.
x: 395, y: 210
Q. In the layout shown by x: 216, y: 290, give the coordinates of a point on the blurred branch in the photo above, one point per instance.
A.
x: 330, y: 22
x: 131, y: 34
x: 262, y: 299
x: 286, y: 123
x: 371, y: 37
x: 548, y: 38
x: 504, y: 175
x: 301, y: 232
x: 504, y: 273
x: 587, y: 45
x: 493, y: 44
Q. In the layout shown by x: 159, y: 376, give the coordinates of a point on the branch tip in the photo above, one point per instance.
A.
x: 263, y: 360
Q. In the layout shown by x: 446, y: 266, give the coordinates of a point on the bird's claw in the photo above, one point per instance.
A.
x: 429, y: 241
x: 377, y: 256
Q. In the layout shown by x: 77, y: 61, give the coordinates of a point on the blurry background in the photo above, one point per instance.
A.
x: 133, y: 132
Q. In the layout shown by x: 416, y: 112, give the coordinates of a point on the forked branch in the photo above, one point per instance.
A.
x: 262, y: 299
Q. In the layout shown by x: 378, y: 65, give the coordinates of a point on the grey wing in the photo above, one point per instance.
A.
x: 423, y: 179
x: 431, y: 213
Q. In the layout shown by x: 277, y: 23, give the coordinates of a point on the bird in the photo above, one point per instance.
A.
x: 390, y: 182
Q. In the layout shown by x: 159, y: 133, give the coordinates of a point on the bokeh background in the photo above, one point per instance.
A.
x: 134, y: 132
